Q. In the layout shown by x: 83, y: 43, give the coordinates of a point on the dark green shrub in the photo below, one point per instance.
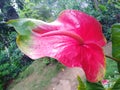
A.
x: 12, y: 61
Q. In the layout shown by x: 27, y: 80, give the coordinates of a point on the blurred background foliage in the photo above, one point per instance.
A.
x: 12, y: 61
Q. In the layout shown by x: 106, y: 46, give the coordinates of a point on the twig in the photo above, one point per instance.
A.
x: 115, y: 59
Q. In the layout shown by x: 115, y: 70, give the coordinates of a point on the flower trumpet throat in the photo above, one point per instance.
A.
x: 65, y: 33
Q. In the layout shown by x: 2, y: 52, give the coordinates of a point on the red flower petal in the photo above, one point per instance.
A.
x: 74, y: 39
x: 93, y: 62
x: 84, y: 25
x: 76, y: 21
x: 69, y: 52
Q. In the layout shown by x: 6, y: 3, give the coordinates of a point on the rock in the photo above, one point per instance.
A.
x: 63, y: 85
x: 67, y: 79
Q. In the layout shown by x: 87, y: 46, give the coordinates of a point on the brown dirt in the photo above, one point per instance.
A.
x: 66, y: 80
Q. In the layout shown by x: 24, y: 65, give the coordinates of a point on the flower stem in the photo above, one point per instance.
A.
x: 65, y: 33
x: 115, y: 59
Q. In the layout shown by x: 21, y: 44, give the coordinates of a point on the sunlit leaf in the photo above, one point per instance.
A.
x: 103, y: 7
x: 94, y: 86
x: 116, y: 40
x: 81, y: 85
x: 116, y: 86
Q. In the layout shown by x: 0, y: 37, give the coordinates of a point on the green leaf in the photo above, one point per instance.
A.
x: 103, y: 7
x: 94, y: 86
x: 117, y: 6
x: 27, y: 1
x: 116, y: 40
x: 81, y: 85
x: 116, y: 86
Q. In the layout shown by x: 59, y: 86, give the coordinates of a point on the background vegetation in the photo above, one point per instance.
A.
x: 12, y: 61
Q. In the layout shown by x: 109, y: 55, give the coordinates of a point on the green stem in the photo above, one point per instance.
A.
x: 118, y: 66
x: 115, y: 59
x: 65, y: 33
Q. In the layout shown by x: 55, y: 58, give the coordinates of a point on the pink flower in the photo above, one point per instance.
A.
x: 105, y: 82
x: 75, y: 39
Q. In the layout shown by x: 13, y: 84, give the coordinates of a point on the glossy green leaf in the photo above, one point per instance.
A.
x: 94, y: 86
x: 116, y: 40
x: 81, y: 85
x: 116, y: 86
